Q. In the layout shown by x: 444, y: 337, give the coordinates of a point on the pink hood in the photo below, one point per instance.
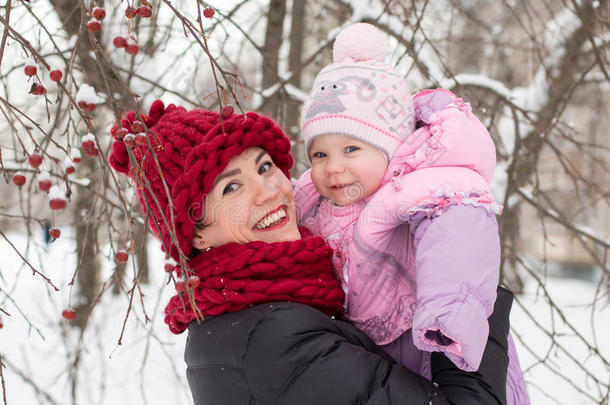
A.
x: 451, y: 136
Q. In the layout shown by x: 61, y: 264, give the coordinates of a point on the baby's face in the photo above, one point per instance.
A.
x: 344, y: 169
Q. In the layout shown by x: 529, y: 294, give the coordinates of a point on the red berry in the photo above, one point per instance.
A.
x: 132, y: 49
x: 137, y: 126
x: 120, y: 133
x: 130, y: 12
x: 44, y: 185
x: 92, y: 152
x: 99, y: 13
x: 19, y: 179
x: 70, y: 169
x: 69, y: 314
x: 180, y: 286
x: 141, y: 139
x: 54, y: 233
x: 57, y: 204
x: 94, y: 26
x: 209, y: 12
x: 1, y: 324
x: 121, y: 256
x: 144, y: 11
x: 130, y: 140
x: 30, y: 70
x: 194, y: 282
x: 87, y: 144
x: 227, y: 111
x: 168, y: 267
x: 119, y: 42
x: 35, y: 160
x: 56, y: 75
x: 86, y: 106
x: 37, y: 89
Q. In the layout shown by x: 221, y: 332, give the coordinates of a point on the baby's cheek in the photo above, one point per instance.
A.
x: 316, y: 179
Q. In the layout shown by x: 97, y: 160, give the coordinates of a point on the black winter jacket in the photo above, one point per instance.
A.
x: 285, y: 353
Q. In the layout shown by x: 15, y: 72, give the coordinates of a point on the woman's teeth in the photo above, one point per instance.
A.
x: 271, y: 219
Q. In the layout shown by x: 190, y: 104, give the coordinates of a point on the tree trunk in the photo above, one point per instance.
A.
x: 559, y: 91
x: 273, y: 40
x: 291, y: 121
x: 101, y: 76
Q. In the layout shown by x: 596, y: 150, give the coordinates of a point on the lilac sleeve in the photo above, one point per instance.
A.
x: 457, y: 265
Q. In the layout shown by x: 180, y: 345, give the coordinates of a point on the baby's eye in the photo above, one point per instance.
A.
x: 265, y: 167
x: 319, y: 155
x: 351, y: 149
x: 229, y: 188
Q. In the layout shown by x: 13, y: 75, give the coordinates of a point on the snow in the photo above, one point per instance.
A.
x: 479, y: 81
x: 44, y: 176
x: 56, y: 193
x: 149, y: 367
x: 68, y: 162
x: 87, y: 94
x: 31, y: 62
x: 89, y: 137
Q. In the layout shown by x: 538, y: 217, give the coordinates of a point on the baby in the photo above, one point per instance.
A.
x: 408, y: 212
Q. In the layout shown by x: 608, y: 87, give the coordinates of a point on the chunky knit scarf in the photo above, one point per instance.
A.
x: 235, y: 277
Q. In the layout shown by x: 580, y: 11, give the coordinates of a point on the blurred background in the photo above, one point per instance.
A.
x: 537, y: 73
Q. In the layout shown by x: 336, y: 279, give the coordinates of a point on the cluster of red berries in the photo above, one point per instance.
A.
x: 37, y: 88
x: 144, y: 11
x: 35, y: 160
x: 193, y: 282
x: 128, y: 43
x: 94, y: 24
x: 131, y: 139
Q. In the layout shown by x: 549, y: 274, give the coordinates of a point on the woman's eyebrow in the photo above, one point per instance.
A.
x: 260, y: 155
x: 227, y: 174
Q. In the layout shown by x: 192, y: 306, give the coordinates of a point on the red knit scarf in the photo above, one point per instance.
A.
x: 235, y: 277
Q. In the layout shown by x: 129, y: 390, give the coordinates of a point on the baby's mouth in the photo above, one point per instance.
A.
x: 340, y: 186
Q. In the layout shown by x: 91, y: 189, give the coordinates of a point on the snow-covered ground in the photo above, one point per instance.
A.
x: 148, y: 367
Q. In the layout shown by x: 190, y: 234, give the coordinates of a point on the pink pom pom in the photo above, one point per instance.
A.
x: 360, y: 42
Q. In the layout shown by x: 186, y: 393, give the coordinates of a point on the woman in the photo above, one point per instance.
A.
x: 255, y: 290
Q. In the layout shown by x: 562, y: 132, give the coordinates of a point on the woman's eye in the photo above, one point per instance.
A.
x: 229, y: 188
x: 265, y: 167
x: 319, y: 155
x: 351, y: 149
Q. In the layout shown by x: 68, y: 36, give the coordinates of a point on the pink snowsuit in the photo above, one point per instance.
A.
x: 419, y: 259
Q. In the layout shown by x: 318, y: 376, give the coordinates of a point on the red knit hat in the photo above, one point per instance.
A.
x: 190, y: 149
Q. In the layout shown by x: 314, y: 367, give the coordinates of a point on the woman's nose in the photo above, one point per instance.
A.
x: 267, y: 188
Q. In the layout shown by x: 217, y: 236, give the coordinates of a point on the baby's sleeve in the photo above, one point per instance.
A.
x: 457, y: 269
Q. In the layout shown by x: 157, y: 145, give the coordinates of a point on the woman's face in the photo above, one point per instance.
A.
x: 251, y: 200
